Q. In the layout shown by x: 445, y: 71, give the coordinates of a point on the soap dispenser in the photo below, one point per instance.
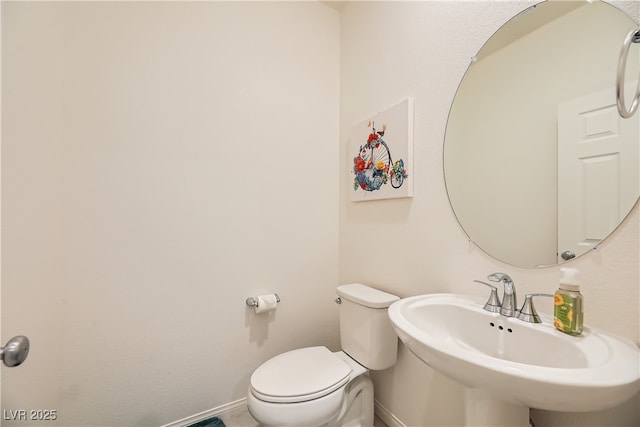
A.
x: 568, y: 305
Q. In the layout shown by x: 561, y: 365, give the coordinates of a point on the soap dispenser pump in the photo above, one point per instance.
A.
x: 568, y: 303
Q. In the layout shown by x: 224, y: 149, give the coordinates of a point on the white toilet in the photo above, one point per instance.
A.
x: 314, y: 387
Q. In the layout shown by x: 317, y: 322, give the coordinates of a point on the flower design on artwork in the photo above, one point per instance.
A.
x: 373, y: 166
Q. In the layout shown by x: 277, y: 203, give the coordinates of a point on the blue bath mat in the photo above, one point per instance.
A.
x: 209, y: 422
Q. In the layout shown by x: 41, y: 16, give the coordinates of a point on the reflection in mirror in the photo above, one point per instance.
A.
x: 537, y: 160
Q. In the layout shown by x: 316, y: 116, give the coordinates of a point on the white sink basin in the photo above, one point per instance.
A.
x: 527, y: 364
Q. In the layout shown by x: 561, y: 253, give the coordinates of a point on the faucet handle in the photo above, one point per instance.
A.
x: 528, y: 312
x: 493, y: 304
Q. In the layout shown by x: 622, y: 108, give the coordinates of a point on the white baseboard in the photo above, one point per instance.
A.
x: 240, y: 405
x: 386, y: 416
x: 228, y: 408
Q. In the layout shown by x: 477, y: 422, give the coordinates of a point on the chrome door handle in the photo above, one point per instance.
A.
x: 567, y: 255
x: 15, y: 352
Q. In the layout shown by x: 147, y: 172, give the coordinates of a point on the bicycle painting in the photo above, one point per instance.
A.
x: 377, y: 171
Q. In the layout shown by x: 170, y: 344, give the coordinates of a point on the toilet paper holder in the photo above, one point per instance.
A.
x: 253, y: 302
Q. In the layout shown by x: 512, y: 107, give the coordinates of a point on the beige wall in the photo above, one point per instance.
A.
x: 391, y: 51
x: 161, y: 162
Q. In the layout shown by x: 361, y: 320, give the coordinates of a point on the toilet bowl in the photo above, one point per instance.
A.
x: 313, y: 386
x: 308, y: 387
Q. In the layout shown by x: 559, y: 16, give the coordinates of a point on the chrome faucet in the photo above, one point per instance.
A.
x: 509, y: 306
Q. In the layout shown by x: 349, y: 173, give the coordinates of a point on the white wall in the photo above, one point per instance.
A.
x: 161, y: 162
x: 393, y: 50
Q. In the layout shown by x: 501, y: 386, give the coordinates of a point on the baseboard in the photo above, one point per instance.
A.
x: 240, y: 405
x: 386, y: 416
x: 227, y: 409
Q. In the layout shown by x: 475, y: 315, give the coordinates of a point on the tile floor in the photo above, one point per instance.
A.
x: 239, y: 419
x: 242, y: 418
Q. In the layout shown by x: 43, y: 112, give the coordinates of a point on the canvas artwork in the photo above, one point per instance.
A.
x: 382, y: 151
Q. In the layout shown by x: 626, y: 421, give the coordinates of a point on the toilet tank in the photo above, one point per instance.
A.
x: 366, y: 333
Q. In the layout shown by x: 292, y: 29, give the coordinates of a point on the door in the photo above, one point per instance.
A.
x: 597, y: 170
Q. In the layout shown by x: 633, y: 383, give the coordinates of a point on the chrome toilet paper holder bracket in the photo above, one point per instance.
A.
x: 253, y: 301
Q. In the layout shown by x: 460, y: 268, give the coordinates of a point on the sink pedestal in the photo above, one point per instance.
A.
x: 484, y: 409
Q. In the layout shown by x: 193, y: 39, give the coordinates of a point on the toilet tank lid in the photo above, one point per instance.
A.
x: 366, y: 295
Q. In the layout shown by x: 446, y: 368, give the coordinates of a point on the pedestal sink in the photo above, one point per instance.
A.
x: 509, y: 366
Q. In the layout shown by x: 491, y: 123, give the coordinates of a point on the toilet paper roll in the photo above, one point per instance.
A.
x: 266, y: 303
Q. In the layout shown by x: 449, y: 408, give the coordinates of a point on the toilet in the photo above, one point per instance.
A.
x: 313, y: 386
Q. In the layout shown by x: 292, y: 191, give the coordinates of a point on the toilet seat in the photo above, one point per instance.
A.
x: 300, y: 375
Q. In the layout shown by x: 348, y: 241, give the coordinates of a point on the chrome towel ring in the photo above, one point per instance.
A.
x: 632, y: 37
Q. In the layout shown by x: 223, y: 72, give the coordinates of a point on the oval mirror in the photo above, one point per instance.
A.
x: 539, y: 166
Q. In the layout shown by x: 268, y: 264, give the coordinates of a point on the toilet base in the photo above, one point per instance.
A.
x: 357, y: 409
x: 313, y: 413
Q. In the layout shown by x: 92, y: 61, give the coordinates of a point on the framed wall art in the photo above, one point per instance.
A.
x: 381, y: 148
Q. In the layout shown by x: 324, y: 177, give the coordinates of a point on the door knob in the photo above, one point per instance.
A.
x: 15, y: 352
x: 567, y: 255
